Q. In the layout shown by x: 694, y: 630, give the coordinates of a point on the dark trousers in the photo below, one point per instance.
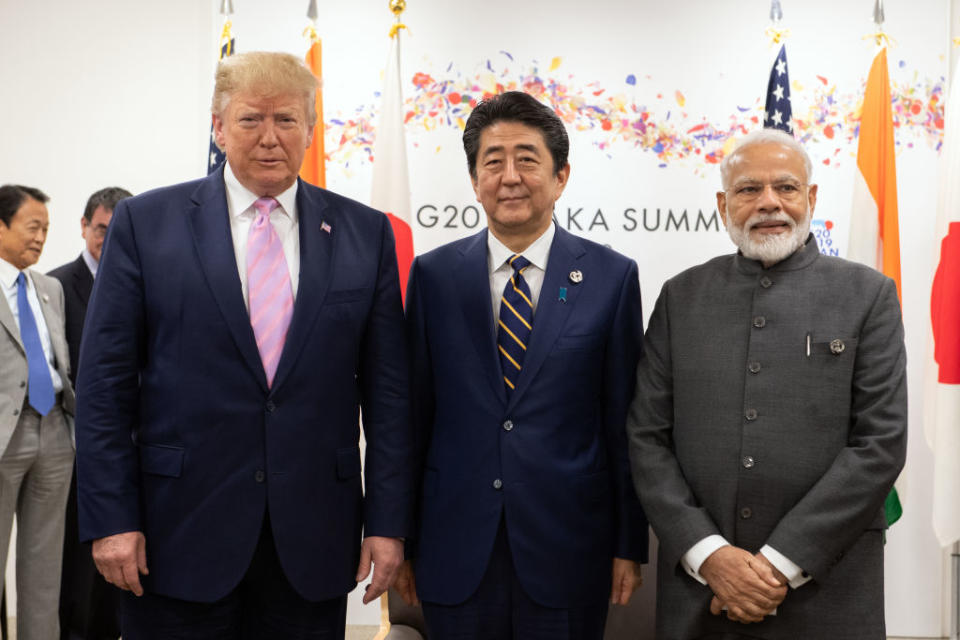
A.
x: 89, y: 605
x: 500, y: 609
x: 264, y: 606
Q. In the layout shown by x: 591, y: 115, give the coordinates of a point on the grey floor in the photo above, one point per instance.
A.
x: 356, y: 632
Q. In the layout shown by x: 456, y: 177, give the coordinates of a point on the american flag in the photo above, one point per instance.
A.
x: 778, y: 114
x: 216, y: 157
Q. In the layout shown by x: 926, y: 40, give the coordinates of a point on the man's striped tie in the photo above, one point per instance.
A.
x: 269, y: 289
x: 516, y: 322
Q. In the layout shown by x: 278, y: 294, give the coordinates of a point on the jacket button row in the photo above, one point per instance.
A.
x: 754, y: 367
x: 259, y: 475
x: 508, y: 425
x: 751, y: 414
x: 766, y: 282
x: 759, y: 322
x: 746, y: 513
x: 270, y: 406
x: 498, y: 484
x: 748, y: 462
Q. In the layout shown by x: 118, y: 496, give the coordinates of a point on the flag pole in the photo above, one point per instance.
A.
x: 776, y: 32
x: 955, y: 592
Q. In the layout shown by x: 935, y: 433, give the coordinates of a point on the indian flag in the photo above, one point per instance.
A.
x: 391, y: 179
x: 314, y: 167
x: 941, y: 407
x: 874, y: 229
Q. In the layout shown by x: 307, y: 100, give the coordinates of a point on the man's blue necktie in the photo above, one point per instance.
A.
x: 40, y: 386
x: 516, y: 323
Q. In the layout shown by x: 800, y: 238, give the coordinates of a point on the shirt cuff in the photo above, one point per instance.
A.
x: 796, y: 577
x: 698, y: 553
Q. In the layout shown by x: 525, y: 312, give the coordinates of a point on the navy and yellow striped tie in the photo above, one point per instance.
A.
x: 516, y: 322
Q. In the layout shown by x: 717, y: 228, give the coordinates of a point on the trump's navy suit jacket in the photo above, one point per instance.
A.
x: 179, y: 435
x: 553, y: 459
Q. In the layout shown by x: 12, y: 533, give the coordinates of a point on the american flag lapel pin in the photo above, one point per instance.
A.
x: 325, y: 227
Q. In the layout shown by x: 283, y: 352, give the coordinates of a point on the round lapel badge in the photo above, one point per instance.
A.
x: 576, y: 277
x: 837, y: 346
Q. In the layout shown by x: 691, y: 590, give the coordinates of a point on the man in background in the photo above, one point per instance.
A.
x: 88, y: 605
x: 36, y: 407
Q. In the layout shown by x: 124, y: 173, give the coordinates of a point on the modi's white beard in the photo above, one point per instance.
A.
x: 769, y: 248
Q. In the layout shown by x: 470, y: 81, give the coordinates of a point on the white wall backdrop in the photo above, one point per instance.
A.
x: 110, y: 92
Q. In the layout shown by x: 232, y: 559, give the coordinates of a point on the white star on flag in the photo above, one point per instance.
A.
x: 777, y: 117
x: 778, y: 92
x: 781, y: 67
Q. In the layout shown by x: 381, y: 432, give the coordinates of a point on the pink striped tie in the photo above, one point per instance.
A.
x: 269, y: 290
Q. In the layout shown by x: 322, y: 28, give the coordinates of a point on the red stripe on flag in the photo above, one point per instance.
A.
x: 945, y: 308
x: 403, y: 237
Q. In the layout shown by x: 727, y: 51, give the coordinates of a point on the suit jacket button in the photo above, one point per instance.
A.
x: 498, y: 484
x: 766, y: 282
x: 759, y: 322
x: 754, y: 367
x: 751, y: 414
x: 748, y: 462
x: 23, y: 383
x: 259, y: 476
x: 508, y: 425
x: 746, y: 513
x: 270, y: 406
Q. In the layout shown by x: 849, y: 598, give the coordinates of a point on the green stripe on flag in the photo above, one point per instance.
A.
x: 892, y: 507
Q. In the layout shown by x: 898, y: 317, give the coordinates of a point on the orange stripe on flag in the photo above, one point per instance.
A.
x: 876, y: 159
x: 314, y: 169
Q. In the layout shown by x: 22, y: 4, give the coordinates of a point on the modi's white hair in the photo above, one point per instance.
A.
x: 763, y: 136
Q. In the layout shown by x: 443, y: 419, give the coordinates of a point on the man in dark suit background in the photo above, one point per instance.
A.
x: 523, y: 367
x: 770, y: 421
x: 88, y: 605
x: 237, y: 327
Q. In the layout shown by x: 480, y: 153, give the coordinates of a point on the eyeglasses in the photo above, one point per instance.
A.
x: 788, y: 190
x: 98, y: 231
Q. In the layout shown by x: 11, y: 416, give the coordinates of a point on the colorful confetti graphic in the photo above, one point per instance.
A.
x: 661, y: 124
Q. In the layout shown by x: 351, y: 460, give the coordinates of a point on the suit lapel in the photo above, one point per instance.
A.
x: 6, y: 319
x: 82, y: 281
x: 210, y: 226
x: 317, y: 251
x: 53, y: 321
x: 473, y: 277
x: 551, y: 314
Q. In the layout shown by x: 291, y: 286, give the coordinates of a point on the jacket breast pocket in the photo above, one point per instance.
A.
x: 161, y: 460
x: 342, y: 296
x: 583, y: 342
x: 830, y: 371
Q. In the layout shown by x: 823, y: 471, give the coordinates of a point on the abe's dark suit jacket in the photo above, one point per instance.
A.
x: 740, y: 429
x: 552, y: 460
x: 77, y: 284
x: 179, y: 435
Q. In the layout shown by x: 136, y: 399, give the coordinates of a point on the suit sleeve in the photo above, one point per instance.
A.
x: 385, y: 391
x: 679, y: 521
x: 421, y: 376
x: 848, y: 497
x: 111, y: 356
x: 623, y: 350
